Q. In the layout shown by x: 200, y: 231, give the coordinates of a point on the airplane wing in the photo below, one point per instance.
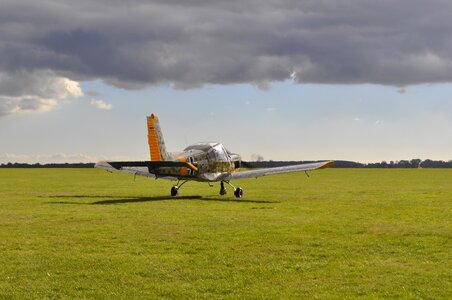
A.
x: 143, y: 168
x: 140, y: 171
x: 151, y: 164
x: 278, y: 170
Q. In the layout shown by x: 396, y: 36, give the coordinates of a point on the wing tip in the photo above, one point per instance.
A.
x: 327, y: 164
x: 104, y: 165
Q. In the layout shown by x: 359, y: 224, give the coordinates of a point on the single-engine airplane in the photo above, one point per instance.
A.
x: 204, y: 162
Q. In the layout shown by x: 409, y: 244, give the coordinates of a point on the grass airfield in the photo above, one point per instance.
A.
x: 342, y: 233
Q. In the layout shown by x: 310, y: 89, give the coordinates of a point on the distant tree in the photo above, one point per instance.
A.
x: 415, y: 163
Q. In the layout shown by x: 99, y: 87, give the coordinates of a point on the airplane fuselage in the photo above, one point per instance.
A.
x: 211, y: 162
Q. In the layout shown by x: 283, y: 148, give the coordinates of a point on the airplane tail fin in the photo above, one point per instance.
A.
x: 157, y: 147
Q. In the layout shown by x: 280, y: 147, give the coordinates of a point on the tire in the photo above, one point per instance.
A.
x: 238, y: 192
x: 174, y: 191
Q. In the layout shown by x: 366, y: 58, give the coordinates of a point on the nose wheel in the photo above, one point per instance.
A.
x: 238, y: 192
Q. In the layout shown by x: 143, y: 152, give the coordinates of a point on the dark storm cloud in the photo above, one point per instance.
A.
x: 132, y: 44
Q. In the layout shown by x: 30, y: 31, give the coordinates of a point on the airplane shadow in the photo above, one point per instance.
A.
x: 116, y: 200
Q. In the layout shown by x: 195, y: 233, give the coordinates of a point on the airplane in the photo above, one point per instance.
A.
x: 203, y: 162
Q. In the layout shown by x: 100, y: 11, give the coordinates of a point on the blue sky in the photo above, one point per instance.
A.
x: 288, y: 121
x: 358, y: 80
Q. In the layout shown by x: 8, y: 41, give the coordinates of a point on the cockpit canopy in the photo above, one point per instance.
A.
x: 214, y: 150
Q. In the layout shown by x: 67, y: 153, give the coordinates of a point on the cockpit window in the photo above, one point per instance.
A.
x: 220, y: 152
x: 215, y: 151
x: 202, y: 147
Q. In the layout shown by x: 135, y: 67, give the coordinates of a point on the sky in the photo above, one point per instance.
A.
x: 287, y: 80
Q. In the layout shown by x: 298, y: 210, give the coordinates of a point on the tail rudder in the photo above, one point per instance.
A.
x: 157, y: 147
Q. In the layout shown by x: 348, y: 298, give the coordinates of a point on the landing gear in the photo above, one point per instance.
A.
x: 175, y: 189
x: 223, y: 190
x: 238, y: 192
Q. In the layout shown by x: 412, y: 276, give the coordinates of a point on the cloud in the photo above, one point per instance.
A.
x: 401, y: 90
x: 188, y: 44
x: 100, y: 104
x: 38, y: 91
x: 46, y: 158
x: 92, y: 93
x: 57, y: 158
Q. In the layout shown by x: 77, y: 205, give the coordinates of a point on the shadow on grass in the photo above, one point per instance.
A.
x: 116, y: 200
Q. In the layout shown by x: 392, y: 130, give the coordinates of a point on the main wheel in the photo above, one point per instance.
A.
x: 174, y: 191
x: 238, y: 192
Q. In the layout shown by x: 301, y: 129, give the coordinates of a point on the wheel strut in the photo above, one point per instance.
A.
x: 238, y: 192
x: 223, y: 190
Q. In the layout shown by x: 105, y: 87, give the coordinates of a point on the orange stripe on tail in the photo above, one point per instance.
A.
x: 153, y: 140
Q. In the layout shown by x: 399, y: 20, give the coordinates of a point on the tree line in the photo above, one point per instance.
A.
x: 413, y: 163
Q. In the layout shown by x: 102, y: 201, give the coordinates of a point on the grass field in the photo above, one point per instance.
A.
x: 342, y: 233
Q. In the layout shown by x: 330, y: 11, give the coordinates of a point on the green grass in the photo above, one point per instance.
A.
x: 342, y: 233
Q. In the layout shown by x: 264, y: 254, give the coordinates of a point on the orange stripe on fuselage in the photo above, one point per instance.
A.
x: 183, y: 170
x: 153, y: 141
x: 192, y: 167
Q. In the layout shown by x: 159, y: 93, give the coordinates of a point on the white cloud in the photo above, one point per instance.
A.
x: 38, y: 91
x: 270, y: 109
x: 100, y: 104
x: 57, y: 158
x: 401, y: 90
x: 46, y: 158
